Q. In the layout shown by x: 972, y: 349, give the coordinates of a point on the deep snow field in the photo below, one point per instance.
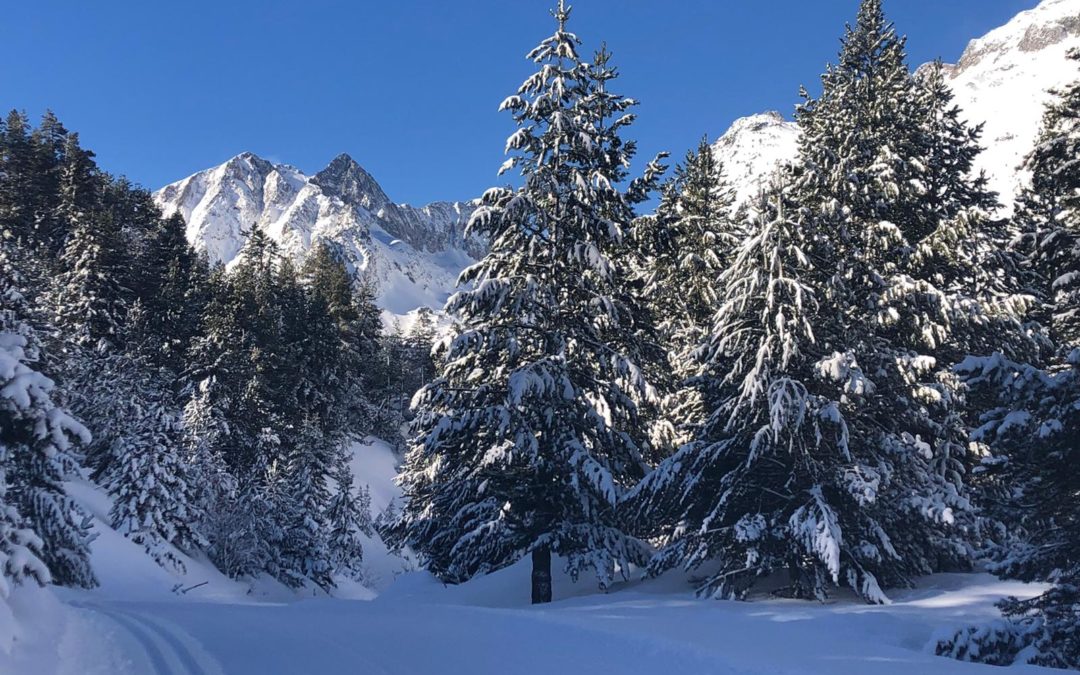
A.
x: 141, y: 620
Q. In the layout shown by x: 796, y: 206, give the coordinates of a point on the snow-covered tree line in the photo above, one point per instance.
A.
x: 788, y: 394
x: 215, y: 406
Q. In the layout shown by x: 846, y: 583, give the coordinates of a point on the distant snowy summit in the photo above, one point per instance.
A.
x: 413, y: 253
x: 1002, y: 81
x: 1003, y: 78
x: 752, y: 149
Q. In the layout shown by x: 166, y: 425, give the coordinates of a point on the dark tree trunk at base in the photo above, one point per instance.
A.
x: 541, y: 575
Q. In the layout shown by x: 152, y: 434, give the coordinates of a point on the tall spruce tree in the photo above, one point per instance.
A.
x: 348, y: 517
x: 89, y: 298
x: 17, y: 184
x: 1032, y: 419
x: 750, y: 490
x: 688, y: 242
x: 873, y: 172
x: 155, y: 503
x: 39, y: 522
x: 1047, y: 214
x: 170, y: 276
x: 529, y: 434
x: 873, y: 492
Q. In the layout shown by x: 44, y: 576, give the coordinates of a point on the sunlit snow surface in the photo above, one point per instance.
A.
x: 487, y: 626
x: 141, y: 620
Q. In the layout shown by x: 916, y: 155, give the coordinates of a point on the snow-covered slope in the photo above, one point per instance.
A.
x: 752, y: 149
x: 1002, y: 81
x: 414, y: 254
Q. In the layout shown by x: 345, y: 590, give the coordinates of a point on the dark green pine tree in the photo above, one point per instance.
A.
x: 530, y: 433
x: 1032, y: 419
x: 348, y: 518
x: 39, y: 522
x: 886, y: 171
x: 750, y: 494
x: 17, y: 180
x: 51, y: 144
x: 89, y: 301
x: 239, y: 361
x: 854, y: 425
x: 1048, y: 215
x: 343, y: 333
x: 89, y: 297
x: 689, y: 241
x: 418, y: 341
x: 155, y: 502
x: 305, y: 554
x: 169, y: 282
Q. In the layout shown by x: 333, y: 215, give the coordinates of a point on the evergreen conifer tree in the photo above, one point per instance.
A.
x: 39, y: 521
x: 1032, y: 419
x: 530, y: 433
x: 869, y: 490
x: 690, y: 240
x: 348, y: 516
x: 154, y: 500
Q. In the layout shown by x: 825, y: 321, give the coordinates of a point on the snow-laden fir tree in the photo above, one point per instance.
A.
x: 881, y: 496
x: 755, y: 491
x: 155, y: 503
x: 239, y: 361
x: 24, y: 404
x: 1031, y: 419
x: 29, y: 183
x: 348, y: 517
x: 300, y: 507
x: 89, y: 299
x: 345, y: 309
x: 171, y: 289
x: 530, y: 433
x: 213, y: 485
x: 885, y: 169
x: 688, y: 242
x: 43, y: 532
x: 17, y: 184
x: 1048, y: 213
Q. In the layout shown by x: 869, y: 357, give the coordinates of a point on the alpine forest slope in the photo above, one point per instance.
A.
x: 411, y: 255
x: 824, y: 375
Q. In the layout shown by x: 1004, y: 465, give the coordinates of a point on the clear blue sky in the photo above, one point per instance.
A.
x: 410, y: 88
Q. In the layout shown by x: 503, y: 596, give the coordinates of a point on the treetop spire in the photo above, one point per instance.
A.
x: 562, y: 14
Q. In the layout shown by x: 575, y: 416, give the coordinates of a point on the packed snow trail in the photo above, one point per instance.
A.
x: 169, y: 650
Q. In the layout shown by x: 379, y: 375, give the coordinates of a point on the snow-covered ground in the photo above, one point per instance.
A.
x: 145, y: 619
x: 487, y: 626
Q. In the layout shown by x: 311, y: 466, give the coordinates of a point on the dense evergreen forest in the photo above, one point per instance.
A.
x: 869, y: 373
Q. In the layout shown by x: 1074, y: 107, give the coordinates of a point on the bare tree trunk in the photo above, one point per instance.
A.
x: 541, y: 575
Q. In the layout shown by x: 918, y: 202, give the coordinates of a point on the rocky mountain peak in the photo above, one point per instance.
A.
x: 347, y: 180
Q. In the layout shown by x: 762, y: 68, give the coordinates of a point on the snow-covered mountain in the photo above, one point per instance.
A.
x: 1002, y: 81
x: 414, y: 254
x: 1003, y: 78
x: 752, y: 149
